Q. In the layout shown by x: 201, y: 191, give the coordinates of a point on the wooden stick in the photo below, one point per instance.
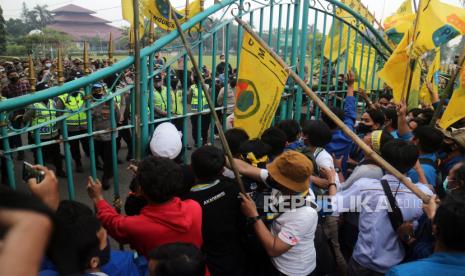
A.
x: 368, y: 151
x: 110, y: 50
x: 211, y: 104
x: 449, y: 89
x: 86, y: 59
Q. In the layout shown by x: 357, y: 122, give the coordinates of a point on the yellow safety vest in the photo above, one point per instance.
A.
x: 178, y: 107
x: 195, y: 99
x: 161, y: 99
x: 73, y: 104
x: 45, y: 113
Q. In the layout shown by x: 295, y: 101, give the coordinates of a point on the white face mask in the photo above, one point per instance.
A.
x: 48, y: 65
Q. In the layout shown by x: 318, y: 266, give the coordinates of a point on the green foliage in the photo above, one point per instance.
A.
x: 2, y: 32
x: 37, y: 18
x: 16, y: 27
x: 15, y: 50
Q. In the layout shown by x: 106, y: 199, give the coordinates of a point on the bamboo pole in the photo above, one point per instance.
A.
x: 449, y: 89
x: 368, y: 151
x: 32, y: 75
x: 151, y: 32
x: 61, y: 78
x: 110, y: 50
x: 211, y: 104
x: 137, y: 82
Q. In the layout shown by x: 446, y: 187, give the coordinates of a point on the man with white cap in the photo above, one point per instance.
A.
x: 166, y: 141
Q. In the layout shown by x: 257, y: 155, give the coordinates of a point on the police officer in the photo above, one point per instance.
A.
x: 123, y: 102
x: 198, y: 103
x: 39, y: 113
x: 160, y: 98
x: 177, y: 95
x: 76, y: 124
x: 101, y: 120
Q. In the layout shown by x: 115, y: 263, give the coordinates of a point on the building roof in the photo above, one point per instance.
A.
x: 79, y: 18
x: 80, y: 32
x: 72, y: 9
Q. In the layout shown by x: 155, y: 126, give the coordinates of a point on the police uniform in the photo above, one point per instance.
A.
x: 199, y: 104
x: 76, y: 124
x: 37, y: 114
x: 101, y: 120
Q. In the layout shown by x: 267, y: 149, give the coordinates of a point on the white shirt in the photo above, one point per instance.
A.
x: 297, y: 229
x: 378, y: 247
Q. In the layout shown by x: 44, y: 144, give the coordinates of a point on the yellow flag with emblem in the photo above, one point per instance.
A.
x: 260, y: 83
x: 159, y: 11
x: 396, y: 25
x: 128, y: 14
x: 437, y: 24
x: 395, y: 69
x: 414, y: 95
x: 433, y: 77
x: 455, y: 110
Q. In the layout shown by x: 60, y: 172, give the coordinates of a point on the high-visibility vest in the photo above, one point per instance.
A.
x: 195, y: 99
x: 161, y: 100
x: 178, y: 107
x: 73, y: 104
x: 45, y: 113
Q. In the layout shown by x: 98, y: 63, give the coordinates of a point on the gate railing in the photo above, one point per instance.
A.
x: 290, y: 36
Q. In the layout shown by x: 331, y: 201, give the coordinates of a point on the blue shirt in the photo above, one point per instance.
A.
x: 447, y: 164
x: 437, y: 264
x: 341, y: 144
x: 428, y: 169
x: 121, y: 263
x: 297, y: 144
x: 378, y: 247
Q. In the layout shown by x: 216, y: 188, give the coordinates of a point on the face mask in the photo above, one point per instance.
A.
x: 75, y: 93
x: 363, y: 129
x: 104, y: 254
x: 14, y: 79
x: 446, y: 148
x: 98, y: 96
x: 48, y: 65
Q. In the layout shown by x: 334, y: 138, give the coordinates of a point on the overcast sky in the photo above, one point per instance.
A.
x: 111, y: 9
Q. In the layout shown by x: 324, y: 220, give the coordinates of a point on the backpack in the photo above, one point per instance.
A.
x: 316, y: 171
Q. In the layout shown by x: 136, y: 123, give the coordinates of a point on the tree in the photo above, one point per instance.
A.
x: 16, y: 27
x: 2, y: 32
x: 43, y: 16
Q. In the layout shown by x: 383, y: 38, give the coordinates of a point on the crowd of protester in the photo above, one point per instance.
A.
x: 312, y: 202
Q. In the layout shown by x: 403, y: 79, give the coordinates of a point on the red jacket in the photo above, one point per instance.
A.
x: 157, y: 224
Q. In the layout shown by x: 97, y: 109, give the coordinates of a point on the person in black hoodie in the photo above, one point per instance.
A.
x: 223, y: 226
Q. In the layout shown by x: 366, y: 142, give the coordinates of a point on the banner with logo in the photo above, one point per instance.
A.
x: 260, y: 84
x: 127, y: 8
x: 396, y: 25
x: 160, y: 13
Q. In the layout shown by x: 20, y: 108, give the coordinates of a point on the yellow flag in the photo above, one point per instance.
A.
x: 455, y: 110
x: 336, y: 43
x: 128, y: 14
x: 159, y: 11
x: 395, y: 69
x: 363, y: 65
x: 413, y: 96
x: 433, y: 77
x: 396, y: 25
x: 260, y: 83
x: 437, y: 24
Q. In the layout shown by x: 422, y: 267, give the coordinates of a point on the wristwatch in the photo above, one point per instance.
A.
x: 253, y: 220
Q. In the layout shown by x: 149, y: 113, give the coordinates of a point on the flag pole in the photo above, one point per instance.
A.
x: 449, y: 89
x: 323, y: 107
x: 412, y: 62
x: 209, y: 100
x: 137, y: 83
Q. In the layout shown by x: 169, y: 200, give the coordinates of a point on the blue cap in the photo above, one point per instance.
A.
x: 97, y: 85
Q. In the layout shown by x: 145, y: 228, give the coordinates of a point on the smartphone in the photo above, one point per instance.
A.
x: 29, y: 172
